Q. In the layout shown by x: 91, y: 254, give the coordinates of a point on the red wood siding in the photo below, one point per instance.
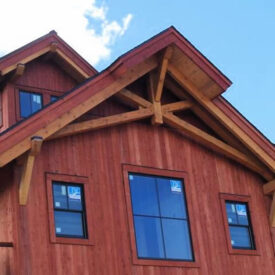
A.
x: 99, y: 156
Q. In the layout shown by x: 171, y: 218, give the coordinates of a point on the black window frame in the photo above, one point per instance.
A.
x: 249, y: 226
x: 32, y: 93
x: 82, y: 212
x: 163, y: 217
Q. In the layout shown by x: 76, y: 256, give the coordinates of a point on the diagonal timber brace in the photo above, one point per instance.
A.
x: 36, y: 143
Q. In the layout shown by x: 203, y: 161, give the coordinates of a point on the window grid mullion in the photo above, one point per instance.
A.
x: 161, y: 226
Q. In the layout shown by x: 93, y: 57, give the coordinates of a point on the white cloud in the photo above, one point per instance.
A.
x: 24, y: 21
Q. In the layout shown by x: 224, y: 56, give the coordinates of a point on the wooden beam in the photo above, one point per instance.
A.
x: 36, y: 143
x: 69, y: 116
x: 210, y: 141
x: 157, y: 118
x: 103, y: 122
x: 71, y: 63
x: 221, y: 117
x: 25, y: 60
x: 177, y: 106
x: 269, y: 187
x: 20, y: 69
x: 215, y: 125
x: 272, y: 212
x: 133, y: 99
x: 162, y: 72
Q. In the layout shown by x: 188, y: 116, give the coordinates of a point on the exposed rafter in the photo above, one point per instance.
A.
x: 69, y: 116
x: 167, y: 54
x: 211, y: 142
x: 221, y: 117
x: 36, y: 143
x: 103, y: 122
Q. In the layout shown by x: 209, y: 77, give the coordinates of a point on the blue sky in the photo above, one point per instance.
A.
x: 236, y: 35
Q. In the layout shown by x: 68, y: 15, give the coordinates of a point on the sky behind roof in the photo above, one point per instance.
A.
x: 236, y: 35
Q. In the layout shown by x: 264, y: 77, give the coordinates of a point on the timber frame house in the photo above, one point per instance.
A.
x: 164, y: 87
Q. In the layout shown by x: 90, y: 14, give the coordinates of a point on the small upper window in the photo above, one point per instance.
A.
x: 69, y: 210
x: 54, y: 98
x: 29, y: 103
x: 239, y: 225
x: 160, y: 218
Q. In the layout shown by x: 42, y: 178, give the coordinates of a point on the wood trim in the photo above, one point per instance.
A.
x: 88, y: 207
x: 246, y: 199
x: 167, y: 54
x: 25, y: 60
x: 71, y: 63
x: 269, y: 187
x: 221, y: 117
x: 133, y: 99
x: 211, y: 142
x: 75, y: 112
x: 94, y: 124
x: 126, y: 168
x: 26, y: 177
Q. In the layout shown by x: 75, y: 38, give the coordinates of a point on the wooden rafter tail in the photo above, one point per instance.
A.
x: 66, y: 118
x: 36, y: 143
x: 269, y: 187
x: 103, y: 122
x: 221, y: 117
x: 162, y: 72
x: 132, y: 99
x: 272, y: 212
x: 19, y: 71
x: 212, y: 142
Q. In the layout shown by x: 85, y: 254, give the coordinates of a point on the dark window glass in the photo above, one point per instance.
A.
x: 160, y: 218
x: 29, y: 103
x: 69, y: 210
x: 54, y: 98
x: 239, y: 225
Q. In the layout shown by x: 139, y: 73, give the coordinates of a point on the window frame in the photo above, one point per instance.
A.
x: 239, y: 199
x: 45, y: 96
x: 126, y: 169
x: 74, y: 180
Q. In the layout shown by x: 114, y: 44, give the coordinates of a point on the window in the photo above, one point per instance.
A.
x: 69, y: 210
x: 29, y: 103
x: 160, y: 218
x: 54, y: 98
x: 69, y: 207
x: 239, y: 225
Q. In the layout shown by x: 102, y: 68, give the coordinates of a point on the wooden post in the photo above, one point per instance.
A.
x: 26, y: 177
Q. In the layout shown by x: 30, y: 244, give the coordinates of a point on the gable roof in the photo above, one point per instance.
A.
x: 188, y: 67
x: 61, y: 52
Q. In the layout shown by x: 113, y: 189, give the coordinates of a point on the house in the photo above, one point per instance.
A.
x: 143, y: 168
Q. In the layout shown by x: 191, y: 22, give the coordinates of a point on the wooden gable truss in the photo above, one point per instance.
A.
x: 161, y: 71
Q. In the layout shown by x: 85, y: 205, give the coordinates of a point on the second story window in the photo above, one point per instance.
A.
x: 239, y: 225
x: 69, y: 210
x: 54, y: 98
x: 29, y: 103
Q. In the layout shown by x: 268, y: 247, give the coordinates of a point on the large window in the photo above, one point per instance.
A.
x: 239, y: 225
x: 29, y: 103
x: 160, y: 218
x: 69, y: 210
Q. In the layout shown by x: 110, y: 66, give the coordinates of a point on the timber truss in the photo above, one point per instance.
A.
x: 234, y: 143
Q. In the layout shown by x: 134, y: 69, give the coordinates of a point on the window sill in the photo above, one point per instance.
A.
x: 247, y: 252
x: 73, y: 241
x: 171, y: 263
